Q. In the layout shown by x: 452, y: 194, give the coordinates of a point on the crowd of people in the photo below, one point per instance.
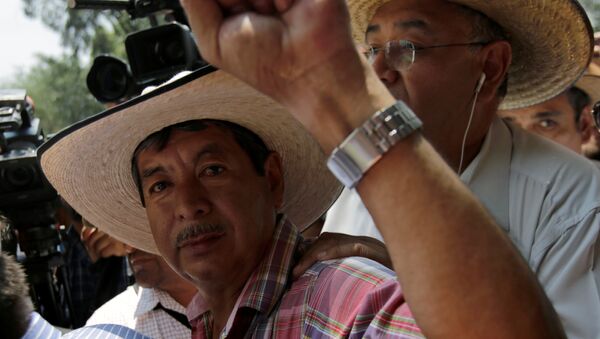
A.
x: 443, y: 143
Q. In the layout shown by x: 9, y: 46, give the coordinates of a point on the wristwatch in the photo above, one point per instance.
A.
x: 367, y: 143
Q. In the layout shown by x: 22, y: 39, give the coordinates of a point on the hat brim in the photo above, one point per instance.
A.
x: 89, y: 163
x: 551, y: 40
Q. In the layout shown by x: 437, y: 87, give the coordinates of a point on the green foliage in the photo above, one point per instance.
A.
x: 85, y: 31
x: 57, y: 85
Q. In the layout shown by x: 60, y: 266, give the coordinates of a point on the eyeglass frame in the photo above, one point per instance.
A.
x: 372, y: 52
x: 596, y: 115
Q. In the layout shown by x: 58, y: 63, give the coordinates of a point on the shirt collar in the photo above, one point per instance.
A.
x: 266, y: 284
x: 488, y: 174
x: 150, y: 297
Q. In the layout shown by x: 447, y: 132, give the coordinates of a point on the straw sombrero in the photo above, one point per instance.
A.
x: 89, y: 163
x: 590, y: 83
x: 552, y: 43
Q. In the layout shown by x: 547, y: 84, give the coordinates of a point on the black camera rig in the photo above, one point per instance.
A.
x: 28, y: 201
x: 154, y: 54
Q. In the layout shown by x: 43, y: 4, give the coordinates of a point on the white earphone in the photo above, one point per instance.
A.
x: 480, y: 83
x: 462, y: 149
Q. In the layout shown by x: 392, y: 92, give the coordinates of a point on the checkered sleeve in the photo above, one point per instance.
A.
x: 357, y: 298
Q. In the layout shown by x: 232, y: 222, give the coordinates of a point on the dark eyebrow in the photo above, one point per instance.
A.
x: 410, y: 24
x: 151, y: 171
x: 546, y: 114
x: 402, y: 25
x: 209, y: 149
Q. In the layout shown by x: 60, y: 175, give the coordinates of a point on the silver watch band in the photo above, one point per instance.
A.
x: 367, y: 143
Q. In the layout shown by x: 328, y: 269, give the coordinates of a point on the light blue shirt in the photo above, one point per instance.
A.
x: 39, y: 328
x: 547, y: 199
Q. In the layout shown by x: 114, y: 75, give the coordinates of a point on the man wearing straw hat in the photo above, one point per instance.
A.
x: 215, y: 177
x: 566, y: 118
x: 454, y: 63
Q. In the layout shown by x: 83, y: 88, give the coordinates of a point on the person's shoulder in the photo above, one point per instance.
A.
x: 344, y: 291
x: 118, y: 310
x: 547, y: 161
x: 352, y: 270
x: 105, y: 331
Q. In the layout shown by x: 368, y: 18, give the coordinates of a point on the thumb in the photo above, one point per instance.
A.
x: 205, y: 18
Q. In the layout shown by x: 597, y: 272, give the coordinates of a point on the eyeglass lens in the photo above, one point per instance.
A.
x: 400, y: 54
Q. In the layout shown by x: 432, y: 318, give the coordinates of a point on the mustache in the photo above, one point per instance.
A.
x: 195, y: 230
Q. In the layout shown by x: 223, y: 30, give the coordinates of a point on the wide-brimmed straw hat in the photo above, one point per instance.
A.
x: 551, y: 41
x: 590, y: 83
x: 89, y: 163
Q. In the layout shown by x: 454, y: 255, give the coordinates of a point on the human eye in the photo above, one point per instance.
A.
x: 370, y: 51
x: 547, y: 124
x: 212, y: 170
x: 157, y: 187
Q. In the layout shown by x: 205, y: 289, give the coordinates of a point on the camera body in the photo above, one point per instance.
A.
x: 154, y: 55
x: 29, y: 202
x: 21, y: 179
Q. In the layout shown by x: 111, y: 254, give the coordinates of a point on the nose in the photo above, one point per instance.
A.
x: 192, y: 201
x: 386, y: 74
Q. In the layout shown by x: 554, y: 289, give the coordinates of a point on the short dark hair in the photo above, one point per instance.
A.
x: 487, y: 30
x: 578, y: 100
x: 15, y: 303
x: 251, y: 143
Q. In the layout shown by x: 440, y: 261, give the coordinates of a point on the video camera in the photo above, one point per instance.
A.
x: 28, y: 201
x: 154, y: 54
x: 21, y: 180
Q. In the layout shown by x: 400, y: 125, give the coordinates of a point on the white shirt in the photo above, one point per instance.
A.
x: 134, y: 308
x: 547, y: 199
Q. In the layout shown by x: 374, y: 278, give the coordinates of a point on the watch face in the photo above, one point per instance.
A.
x: 367, y: 143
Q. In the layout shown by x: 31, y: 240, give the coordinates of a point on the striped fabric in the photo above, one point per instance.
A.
x: 40, y: 328
x: 104, y: 331
x: 352, y: 297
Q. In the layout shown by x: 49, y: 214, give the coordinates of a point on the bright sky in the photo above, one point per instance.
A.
x: 21, y: 38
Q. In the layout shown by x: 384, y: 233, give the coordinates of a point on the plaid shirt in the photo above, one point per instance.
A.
x: 352, y: 297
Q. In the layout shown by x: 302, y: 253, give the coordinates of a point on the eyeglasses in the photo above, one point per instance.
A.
x: 596, y: 115
x: 400, y: 54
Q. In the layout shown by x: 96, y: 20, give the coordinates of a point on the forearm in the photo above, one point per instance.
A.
x: 459, y: 271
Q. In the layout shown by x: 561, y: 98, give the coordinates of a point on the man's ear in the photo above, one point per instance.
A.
x: 274, y: 176
x: 586, y: 124
x: 496, y: 59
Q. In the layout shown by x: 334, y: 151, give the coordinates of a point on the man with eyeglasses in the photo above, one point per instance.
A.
x: 455, y: 63
x: 506, y: 54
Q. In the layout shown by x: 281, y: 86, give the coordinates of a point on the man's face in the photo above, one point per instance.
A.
x: 212, y: 216
x: 440, y: 84
x: 553, y: 119
x: 150, y: 270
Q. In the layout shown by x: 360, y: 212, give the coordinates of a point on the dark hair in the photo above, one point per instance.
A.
x: 251, y: 143
x: 578, y: 100
x: 15, y: 303
x: 486, y: 29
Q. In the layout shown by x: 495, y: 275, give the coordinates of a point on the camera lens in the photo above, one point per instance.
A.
x: 20, y: 176
x: 170, y: 52
x: 109, y: 79
x: 113, y: 81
